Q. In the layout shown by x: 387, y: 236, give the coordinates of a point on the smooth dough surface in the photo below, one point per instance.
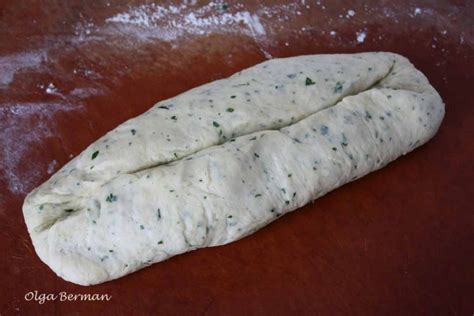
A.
x: 220, y: 161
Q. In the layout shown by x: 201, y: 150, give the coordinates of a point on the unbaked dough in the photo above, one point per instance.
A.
x: 220, y: 161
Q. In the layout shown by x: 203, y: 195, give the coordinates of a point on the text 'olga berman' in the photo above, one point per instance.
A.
x: 41, y: 298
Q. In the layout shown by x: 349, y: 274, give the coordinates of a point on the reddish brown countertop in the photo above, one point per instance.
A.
x: 398, y: 241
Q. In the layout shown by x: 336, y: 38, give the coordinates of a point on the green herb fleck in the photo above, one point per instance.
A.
x: 309, y: 82
x: 160, y: 242
x: 241, y: 84
x: 253, y: 138
x: 94, y: 155
x: 69, y: 210
x: 258, y: 195
x: 110, y: 250
x: 230, y: 216
x: 230, y: 110
x: 344, y: 140
x: 111, y: 198
x: 159, y: 214
x: 142, y: 227
x: 324, y: 130
x: 287, y: 202
x: 289, y: 175
x: 338, y: 87
x: 222, y: 7
x: 174, y: 118
x: 232, y: 96
x: 256, y: 155
x: 163, y: 107
x: 215, y: 124
x: 133, y: 131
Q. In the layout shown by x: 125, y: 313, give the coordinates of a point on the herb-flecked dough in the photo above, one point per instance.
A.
x: 220, y: 161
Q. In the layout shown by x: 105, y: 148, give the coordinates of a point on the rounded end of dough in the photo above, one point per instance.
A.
x: 70, y: 266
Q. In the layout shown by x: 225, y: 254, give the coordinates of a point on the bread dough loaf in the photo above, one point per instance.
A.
x: 218, y: 162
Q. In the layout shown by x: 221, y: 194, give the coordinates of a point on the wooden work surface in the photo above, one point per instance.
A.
x: 399, y: 241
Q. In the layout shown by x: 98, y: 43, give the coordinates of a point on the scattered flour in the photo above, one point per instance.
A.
x: 361, y: 36
x: 18, y: 135
x: 52, y: 166
x: 350, y: 13
x: 183, y: 19
x: 145, y: 15
x: 389, y: 13
x: 84, y: 29
x: 417, y: 11
x: 11, y: 64
x: 153, y: 21
x: 51, y: 89
x: 84, y: 93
